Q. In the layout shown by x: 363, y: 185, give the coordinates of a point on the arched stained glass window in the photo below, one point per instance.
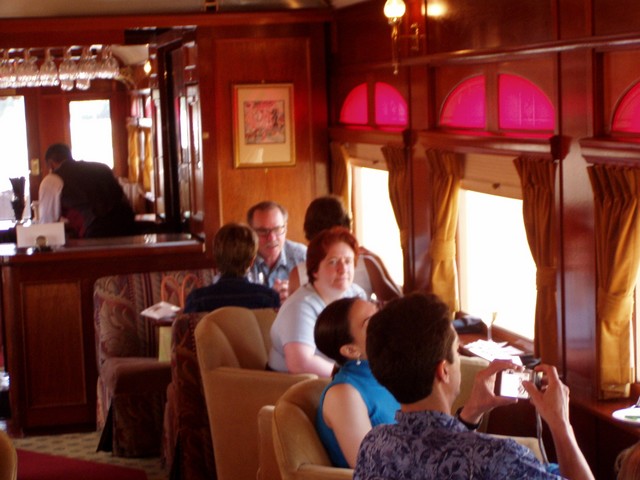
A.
x: 627, y: 114
x: 391, y: 108
x: 354, y: 109
x: 523, y: 106
x: 465, y: 105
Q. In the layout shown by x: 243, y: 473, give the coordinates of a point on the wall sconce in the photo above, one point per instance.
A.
x: 394, y: 10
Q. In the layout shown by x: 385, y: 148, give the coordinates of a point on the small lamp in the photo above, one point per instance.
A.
x: 394, y: 10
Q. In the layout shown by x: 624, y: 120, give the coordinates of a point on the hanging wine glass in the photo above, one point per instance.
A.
x: 27, y: 71
x: 48, y: 74
x: 68, y: 71
x: 109, y: 67
x: 5, y: 70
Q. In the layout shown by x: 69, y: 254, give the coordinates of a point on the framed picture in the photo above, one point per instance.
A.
x: 263, y: 130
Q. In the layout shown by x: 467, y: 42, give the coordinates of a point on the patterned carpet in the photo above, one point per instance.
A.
x: 83, y: 446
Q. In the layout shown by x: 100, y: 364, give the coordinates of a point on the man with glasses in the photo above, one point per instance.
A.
x: 277, y: 256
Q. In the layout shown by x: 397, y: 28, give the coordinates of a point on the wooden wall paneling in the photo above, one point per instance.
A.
x: 119, y: 107
x: 467, y: 24
x: 578, y: 286
x: 54, y: 351
x: 53, y: 121
x: 209, y: 106
x: 33, y: 142
x: 419, y: 274
x: 279, y: 59
x: 613, y: 17
x: 363, y: 35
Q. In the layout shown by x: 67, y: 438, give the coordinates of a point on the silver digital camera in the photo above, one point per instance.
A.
x: 509, y: 382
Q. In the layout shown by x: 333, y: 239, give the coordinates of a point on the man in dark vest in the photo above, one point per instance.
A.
x: 86, y: 195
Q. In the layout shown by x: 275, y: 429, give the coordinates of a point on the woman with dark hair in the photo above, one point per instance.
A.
x: 331, y: 256
x: 369, y: 272
x: 354, y: 401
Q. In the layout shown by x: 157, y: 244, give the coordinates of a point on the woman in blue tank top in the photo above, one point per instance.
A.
x: 354, y: 401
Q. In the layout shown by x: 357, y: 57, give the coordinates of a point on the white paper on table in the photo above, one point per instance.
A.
x: 494, y: 351
x: 161, y: 310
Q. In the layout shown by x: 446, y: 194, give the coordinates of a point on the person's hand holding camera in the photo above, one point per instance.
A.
x: 483, y: 398
x: 552, y: 403
x: 551, y: 399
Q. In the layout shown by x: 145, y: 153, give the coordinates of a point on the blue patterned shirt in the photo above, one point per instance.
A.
x: 292, y: 254
x: 433, y: 445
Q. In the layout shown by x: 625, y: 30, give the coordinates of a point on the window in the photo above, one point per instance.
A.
x: 390, y: 107
x: 374, y: 221
x: 627, y: 114
x: 90, y: 125
x: 14, y: 153
x: 522, y: 105
x: 497, y: 271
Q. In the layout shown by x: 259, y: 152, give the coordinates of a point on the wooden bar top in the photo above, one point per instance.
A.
x: 138, y: 245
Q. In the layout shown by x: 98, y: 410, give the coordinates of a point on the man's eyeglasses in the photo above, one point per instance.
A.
x: 265, y: 232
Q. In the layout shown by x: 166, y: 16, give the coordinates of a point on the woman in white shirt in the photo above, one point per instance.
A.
x: 331, y: 257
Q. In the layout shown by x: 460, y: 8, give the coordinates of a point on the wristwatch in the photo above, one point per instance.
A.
x: 470, y: 426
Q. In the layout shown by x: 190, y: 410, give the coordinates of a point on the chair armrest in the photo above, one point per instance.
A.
x: 234, y: 397
x: 319, y: 472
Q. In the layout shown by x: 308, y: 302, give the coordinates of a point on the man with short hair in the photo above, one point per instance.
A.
x: 234, y: 250
x: 86, y: 195
x: 413, y: 351
x: 277, y: 256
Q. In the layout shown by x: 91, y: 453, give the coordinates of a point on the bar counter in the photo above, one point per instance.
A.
x: 47, y: 319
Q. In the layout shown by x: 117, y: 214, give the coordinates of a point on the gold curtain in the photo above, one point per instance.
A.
x: 445, y: 173
x: 397, y: 159
x: 616, y: 191
x: 147, y: 172
x: 537, y: 178
x: 341, y: 173
x: 134, y: 153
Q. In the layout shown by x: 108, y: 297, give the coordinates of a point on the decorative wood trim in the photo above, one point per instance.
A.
x: 464, y: 142
x: 366, y: 135
x: 121, y: 22
x: 494, y: 55
x: 611, y: 151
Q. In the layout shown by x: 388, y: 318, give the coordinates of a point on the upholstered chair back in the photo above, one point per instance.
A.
x: 298, y: 448
x: 237, y: 337
x: 132, y: 382
x: 232, y: 346
x: 8, y: 458
x: 118, y: 300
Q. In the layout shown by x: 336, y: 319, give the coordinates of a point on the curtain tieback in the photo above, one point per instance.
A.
x: 546, y: 277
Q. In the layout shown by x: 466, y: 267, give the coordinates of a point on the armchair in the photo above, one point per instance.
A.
x: 132, y: 382
x: 232, y: 346
x: 8, y: 458
x: 298, y: 448
x: 187, y: 451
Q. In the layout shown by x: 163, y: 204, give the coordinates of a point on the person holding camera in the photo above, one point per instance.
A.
x: 413, y: 351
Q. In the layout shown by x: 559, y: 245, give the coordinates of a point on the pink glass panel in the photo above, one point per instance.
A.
x: 391, y: 108
x: 354, y: 109
x: 523, y: 106
x: 627, y: 115
x: 465, y: 105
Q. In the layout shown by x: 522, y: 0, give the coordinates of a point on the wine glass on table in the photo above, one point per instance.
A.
x: 489, y: 319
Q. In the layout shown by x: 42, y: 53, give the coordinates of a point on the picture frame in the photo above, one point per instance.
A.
x: 263, y: 128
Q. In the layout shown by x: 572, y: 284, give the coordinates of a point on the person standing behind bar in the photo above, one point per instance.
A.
x: 276, y: 255
x: 85, y: 194
x: 234, y: 250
